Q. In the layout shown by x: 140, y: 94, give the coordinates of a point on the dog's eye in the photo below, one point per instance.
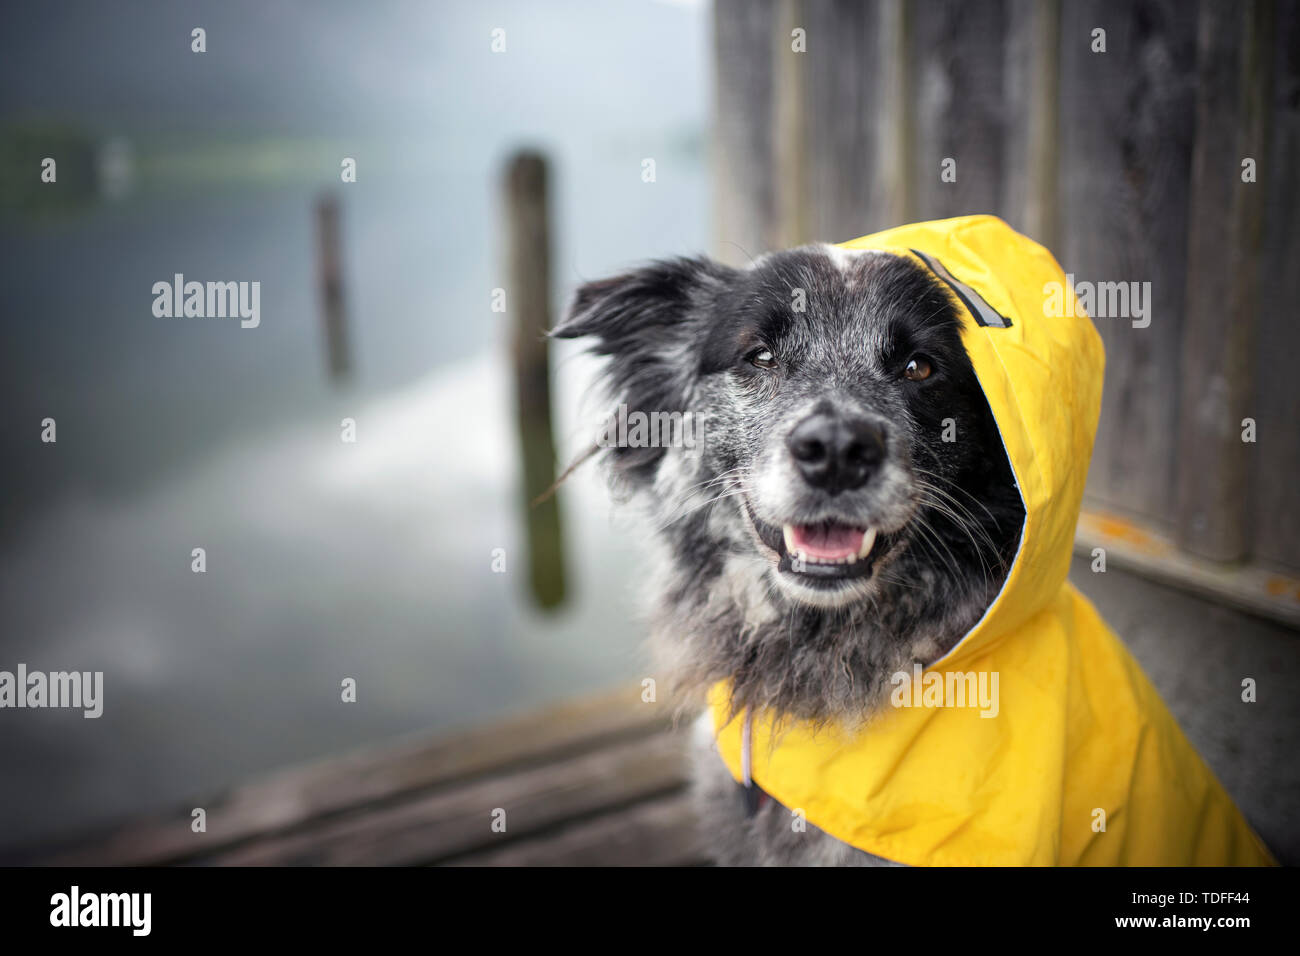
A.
x: 917, y: 369
x: 761, y: 358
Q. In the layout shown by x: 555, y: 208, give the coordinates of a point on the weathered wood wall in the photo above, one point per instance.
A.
x: 1126, y: 163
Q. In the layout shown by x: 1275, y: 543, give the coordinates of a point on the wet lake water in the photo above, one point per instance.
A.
x: 325, y: 560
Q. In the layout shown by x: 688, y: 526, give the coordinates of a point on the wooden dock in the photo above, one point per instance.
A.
x: 598, y: 781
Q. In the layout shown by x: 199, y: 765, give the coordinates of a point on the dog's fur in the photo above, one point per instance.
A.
x: 683, y: 336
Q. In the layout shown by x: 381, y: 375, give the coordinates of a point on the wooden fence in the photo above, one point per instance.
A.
x: 1127, y: 164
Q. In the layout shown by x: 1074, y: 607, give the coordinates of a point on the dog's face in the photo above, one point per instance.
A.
x: 842, y: 424
x: 834, y: 377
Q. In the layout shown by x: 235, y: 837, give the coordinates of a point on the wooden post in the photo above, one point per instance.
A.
x: 528, y: 302
x: 330, y: 271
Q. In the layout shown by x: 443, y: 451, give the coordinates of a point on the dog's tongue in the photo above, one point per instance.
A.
x: 827, y: 541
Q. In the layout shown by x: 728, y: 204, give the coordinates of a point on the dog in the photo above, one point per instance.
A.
x: 823, y: 430
x: 851, y: 514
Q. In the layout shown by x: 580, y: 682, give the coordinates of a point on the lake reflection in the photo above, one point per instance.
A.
x: 325, y: 560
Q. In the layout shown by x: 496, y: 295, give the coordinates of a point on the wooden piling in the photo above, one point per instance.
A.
x: 329, y: 269
x: 528, y: 298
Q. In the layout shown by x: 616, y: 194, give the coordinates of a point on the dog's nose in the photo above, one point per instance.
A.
x: 836, y: 453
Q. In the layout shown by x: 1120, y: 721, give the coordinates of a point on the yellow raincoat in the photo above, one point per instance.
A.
x: 1082, y: 764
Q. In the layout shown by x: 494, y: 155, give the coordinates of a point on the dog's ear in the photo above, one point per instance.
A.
x: 629, y: 309
x: 647, y: 322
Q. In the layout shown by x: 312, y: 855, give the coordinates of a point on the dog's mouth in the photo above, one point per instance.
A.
x: 825, y: 551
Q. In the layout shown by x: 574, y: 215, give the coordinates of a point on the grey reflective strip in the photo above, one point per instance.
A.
x: 983, y: 312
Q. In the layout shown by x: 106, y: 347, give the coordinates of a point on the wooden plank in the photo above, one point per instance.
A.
x: 1126, y: 121
x: 745, y: 202
x: 789, y: 134
x: 293, y: 797
x: 1276, y: 407
x: 851, y: 127
x: 1039, y: 205
x: 661, y: 832
x: 1137, y: 548
x: 985, y: 79
x: 1223, y: 250
x: 896, y: 153
x: 957, y: 64
x: 848, y: 150
x: 429, y: 828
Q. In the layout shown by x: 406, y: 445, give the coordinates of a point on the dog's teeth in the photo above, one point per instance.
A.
x: 851, y: 559
x: 868, y: 539
x: 788, y: 531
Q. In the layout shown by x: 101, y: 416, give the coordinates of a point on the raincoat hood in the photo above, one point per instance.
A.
x: 1071, y: 757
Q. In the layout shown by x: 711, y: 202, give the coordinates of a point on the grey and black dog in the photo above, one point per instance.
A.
x: 850, y: 511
